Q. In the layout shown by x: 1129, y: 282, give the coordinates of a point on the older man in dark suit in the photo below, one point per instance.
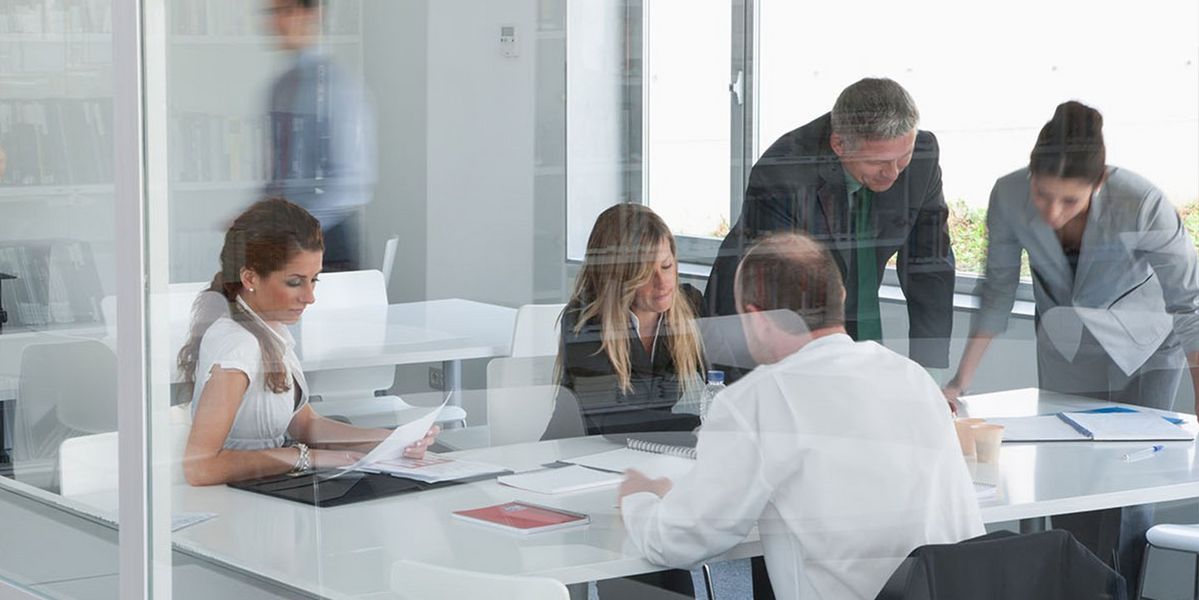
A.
x: 866, y: 183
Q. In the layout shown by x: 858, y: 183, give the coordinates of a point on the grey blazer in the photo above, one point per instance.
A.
x: 1137, y: 278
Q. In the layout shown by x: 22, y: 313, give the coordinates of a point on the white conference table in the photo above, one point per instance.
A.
x: 348, y: 550
x: 1042, y: 479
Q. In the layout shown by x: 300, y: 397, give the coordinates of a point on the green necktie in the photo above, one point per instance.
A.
x: 870, y: 323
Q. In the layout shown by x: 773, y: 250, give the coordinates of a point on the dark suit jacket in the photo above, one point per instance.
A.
x: 604, y: 408
x: 799, y: 185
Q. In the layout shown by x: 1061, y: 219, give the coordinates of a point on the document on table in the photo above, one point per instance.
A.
x: 985, y: 491
x: 1125, y: 426
x: 652, y: 465
x: 1041, y: 428
x: 433, y: 468
x: 182, y: 520
x: 393, y: 447
x: 561, y: 480
x: 1100, y: 425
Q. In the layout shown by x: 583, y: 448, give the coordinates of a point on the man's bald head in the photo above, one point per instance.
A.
x: 790, y: 273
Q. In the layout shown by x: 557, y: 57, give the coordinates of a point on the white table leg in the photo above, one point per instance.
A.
x: 451, y: 378
x: 1033, y: 525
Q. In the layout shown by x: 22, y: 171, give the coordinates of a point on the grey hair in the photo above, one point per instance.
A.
x: 874, y: 109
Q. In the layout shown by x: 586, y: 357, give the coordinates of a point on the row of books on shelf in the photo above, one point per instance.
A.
x: 215, y: 148
x: 55, y: 16
x: 56, y: 282
x: 54, y: 59
x: 56, y: 141
x: 242, y: 17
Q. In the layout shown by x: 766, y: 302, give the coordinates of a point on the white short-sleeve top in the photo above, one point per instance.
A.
x: 263, y: 417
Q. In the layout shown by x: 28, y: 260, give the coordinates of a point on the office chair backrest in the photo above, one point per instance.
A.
x: 389, y: 257
x: 537, y: 330
x: 66, y: 388
x: 521, y: 395
x: 414, y: 580
x: 1002, y: 565
x: 359, y: 301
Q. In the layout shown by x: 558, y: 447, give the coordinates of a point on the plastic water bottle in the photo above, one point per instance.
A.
x: 714, y: 387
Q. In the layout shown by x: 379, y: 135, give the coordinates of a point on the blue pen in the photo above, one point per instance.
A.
x: 1143, y: 454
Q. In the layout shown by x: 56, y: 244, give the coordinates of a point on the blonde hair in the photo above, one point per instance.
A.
x: 621, y: 258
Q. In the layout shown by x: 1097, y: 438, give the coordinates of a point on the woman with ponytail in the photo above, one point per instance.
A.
x: 249, y: 395
x: 1116, y: 284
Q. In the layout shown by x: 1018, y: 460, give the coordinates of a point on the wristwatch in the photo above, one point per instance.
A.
x: 303, y: 462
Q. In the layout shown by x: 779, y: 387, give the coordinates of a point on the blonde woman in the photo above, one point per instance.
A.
x: 630, y: 349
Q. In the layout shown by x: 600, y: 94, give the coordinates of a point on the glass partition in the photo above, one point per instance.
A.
x: 391, y: 245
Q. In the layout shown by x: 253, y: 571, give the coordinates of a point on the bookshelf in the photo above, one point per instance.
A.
x: 221, y: 62
x: 56, y: 191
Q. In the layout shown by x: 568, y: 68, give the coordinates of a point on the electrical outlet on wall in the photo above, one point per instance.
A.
x: 436, y: 378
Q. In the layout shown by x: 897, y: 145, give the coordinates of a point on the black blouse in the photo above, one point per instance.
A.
x: 602, y: 406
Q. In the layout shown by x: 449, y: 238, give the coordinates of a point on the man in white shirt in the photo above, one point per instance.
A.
x: 842, y: 453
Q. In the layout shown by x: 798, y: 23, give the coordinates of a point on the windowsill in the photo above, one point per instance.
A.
x: 886, y: 293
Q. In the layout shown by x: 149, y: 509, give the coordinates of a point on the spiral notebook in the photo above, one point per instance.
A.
x: 661, y: 447
x: 671, y: 443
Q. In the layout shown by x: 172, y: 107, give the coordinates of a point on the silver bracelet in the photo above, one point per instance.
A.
x: 303, y: 461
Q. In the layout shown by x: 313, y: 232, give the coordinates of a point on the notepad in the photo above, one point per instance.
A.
x: 1121, y: 426
x: 523, y: 517
x: 623, y: 459
x: 1100, y: 425
x: 561, y: 480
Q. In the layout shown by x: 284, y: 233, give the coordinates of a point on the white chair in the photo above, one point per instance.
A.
x: 350, y: 393
x: 520, y: 398
x: 389, y: 258
x: 1169, y: 536
x: 537, y: 330
x: 420, y: 581
x: 88, y: 464
x: 180, y: 297
x: 66, y: 389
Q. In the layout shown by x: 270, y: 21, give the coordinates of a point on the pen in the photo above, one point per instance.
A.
x: 1143, y: 454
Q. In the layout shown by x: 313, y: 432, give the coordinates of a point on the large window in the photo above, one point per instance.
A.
x: 984, y: 85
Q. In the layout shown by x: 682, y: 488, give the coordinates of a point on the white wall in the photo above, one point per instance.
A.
x: 480, y: 151
x: 395, y: 68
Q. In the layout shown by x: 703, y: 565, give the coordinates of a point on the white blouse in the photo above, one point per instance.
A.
x: 263, y: 417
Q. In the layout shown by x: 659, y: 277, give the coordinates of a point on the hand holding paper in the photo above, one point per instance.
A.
x: 396, y: 445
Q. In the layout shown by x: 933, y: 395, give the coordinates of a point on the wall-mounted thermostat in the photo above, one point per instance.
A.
x: 508, y: 41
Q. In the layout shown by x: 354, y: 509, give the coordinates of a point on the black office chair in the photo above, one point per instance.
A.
x: 1049, y: 565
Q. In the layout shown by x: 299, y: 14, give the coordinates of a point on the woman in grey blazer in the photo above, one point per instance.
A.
x: 1116, y: 284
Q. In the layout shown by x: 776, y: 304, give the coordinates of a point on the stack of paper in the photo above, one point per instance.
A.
x: 433, y: 468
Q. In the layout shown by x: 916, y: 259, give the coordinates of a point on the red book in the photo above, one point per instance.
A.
x: 523, y: 517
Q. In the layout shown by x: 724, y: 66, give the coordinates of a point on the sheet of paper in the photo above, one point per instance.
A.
x: 561, y: 480
x: 182, y: 520
x: 393, y: 447
x: 1041, y: 428
x: 984, y: 491
x: 433, y: 468
x: 620, y: 460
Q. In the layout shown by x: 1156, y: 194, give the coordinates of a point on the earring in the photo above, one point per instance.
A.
x: 251, y: 290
